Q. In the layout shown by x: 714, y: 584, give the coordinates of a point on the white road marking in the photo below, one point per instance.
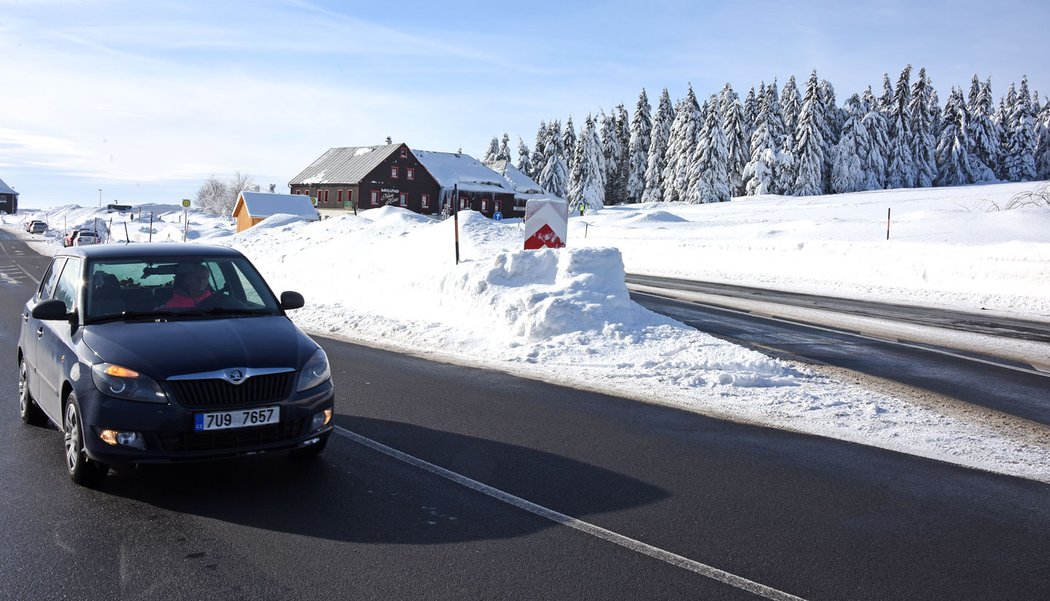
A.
x: 565, y: 520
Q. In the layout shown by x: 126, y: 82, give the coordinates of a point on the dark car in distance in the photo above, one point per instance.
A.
x: 132, y: 372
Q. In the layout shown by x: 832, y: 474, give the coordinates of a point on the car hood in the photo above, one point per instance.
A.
x: 165, y: 349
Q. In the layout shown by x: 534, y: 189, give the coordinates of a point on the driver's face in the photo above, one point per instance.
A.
x: 197, y: 281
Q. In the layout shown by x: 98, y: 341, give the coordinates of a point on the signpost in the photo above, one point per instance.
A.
x: 546, y: 223
x: 185, y: 218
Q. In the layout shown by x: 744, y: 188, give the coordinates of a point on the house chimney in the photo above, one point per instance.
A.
x: 389, y: 140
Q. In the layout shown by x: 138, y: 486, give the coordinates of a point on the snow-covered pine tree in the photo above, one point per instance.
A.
x: 1042, y: 153
x: 568, y: 143
x: 614, y: 148
x: 900, y: 168
x: 885, y: 104
x: 504, y: 148
x: 982, y: 133
x: 849, y: 156
x: 524, y: 158
x: 759, y: 176
x: 790, y: 107
x: 831, y: 127
x: 493, y: 151
x: 680, y: 148
x: 784, y: 165
x: 738, y: 139
x: 657, y: 157
x: 878, y: 128
x: 751, y: 107
x: 809, y: 148
x: 953, y: 155
x: 554, y: 177
x: 923, y: 140
x: 709, y: 180
x: 1001, y: 118
x: 540, y: 154
x: 1019, y: 163
x: 588, y: 174
x: 638, y: 148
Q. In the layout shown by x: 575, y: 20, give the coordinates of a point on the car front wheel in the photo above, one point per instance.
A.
x: 82, y: 470
x: 31, y: 414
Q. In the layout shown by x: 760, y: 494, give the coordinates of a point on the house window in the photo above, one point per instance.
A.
x: 326, y: 196
x: 404, y: 199
x: 404, y: 153
x: 426, y: 201
x: 339, y: 196
x: 484, y: 205
x: 350, y: 196
x: 375, y: 198
x: 410, y: 173
x: 393, y: 171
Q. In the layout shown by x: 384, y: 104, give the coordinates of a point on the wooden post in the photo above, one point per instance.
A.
x: 455, y: 217
x: 888, y: 223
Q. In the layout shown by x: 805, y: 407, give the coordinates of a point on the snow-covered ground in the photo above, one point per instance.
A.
x: 388, y: 277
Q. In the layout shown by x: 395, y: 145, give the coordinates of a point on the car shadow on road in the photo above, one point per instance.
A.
x: 352, y: 493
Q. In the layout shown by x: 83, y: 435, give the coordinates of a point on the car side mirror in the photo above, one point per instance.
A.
x: 291, y: 300
x: 52, y: 310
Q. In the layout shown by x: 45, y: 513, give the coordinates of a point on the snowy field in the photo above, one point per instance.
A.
x: 388, y: 277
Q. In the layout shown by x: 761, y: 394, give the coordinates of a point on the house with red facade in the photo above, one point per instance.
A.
x: 363, y: 177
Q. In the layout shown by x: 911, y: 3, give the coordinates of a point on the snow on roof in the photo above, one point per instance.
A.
x: 264, y: 204
x: 462, y: 170
x: 345, y: 165
x: 518, y: 180
x: 5, y: 189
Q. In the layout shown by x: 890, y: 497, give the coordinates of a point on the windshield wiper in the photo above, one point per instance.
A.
x: 132, y: 315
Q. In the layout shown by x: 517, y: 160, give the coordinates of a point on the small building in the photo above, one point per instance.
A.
x: 365, y: 177
x: 8, y: 199
x: 253, y: 207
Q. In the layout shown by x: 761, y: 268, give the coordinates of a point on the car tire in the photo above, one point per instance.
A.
x: 82, y: 469
x: 27, y: 407
x: 306, y: 453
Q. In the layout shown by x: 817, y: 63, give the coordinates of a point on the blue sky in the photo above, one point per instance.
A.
x: 145, y: 100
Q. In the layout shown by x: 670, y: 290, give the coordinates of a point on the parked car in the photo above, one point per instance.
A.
x: 36, y: 227
x: 130, y: 376
x: 71, y: 235
x: 85, y: 237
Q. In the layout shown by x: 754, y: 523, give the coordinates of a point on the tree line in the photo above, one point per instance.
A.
x: 790, y: 142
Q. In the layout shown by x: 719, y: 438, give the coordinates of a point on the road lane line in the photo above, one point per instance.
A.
x: 565, y: 520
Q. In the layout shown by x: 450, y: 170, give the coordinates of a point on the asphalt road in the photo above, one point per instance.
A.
x: 802, y: 515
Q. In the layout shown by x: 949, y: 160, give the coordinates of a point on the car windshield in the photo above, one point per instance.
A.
x: 183, y: 286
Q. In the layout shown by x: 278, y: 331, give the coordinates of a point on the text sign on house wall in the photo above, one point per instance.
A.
x: 546, y: 223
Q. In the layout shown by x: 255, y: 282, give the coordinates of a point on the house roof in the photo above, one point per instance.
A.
x: 519, y: 181
x: 5, y: 189
x: 264, y: 204
x: 458, y: 169
x: 348, y: 165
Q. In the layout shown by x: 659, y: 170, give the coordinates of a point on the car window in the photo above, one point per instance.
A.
x: 68, y: 284
x: 133, y: 286
x: 47, y: 285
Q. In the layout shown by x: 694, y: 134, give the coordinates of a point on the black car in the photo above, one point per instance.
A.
x: 153, y: 353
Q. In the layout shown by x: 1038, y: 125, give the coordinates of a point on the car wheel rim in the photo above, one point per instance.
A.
x: 72, y: 438
x: 23, y: 390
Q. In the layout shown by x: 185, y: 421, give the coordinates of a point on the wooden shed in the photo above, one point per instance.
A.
x: 253, y: 207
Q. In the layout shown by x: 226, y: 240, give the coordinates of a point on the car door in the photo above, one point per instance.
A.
x: 55, y: 350
x: 33, y: 329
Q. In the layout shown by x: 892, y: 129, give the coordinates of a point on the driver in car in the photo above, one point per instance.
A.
x: 191, y: 288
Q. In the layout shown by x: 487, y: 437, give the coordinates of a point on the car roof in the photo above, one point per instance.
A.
x: 147, y: 251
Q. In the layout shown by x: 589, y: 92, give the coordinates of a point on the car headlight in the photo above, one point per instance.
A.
x: 315, y: 372
x: 123, y: 383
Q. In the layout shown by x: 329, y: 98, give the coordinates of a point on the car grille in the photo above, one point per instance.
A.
x: 232, y: 440
x: 220, y: 394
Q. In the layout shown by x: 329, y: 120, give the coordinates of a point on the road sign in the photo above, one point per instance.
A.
x: 186, y: 202
x: 546, y: 223
x: 497, y: 216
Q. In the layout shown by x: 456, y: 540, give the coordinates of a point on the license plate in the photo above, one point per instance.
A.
x: 243, y: 418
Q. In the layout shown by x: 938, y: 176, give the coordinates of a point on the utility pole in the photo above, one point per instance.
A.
x: 100, y: 198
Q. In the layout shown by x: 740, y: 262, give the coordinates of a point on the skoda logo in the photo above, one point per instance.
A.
x: 235, y: 376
